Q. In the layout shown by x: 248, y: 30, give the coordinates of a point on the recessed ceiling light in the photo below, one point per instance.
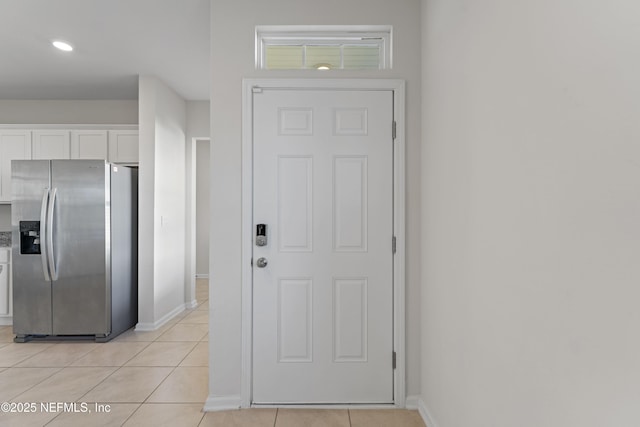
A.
x: 323, y: 66
x: 63, y: 46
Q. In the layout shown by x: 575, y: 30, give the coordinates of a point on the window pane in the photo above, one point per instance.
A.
x: 323, y: 56
x: 361, y: 57
x: 315, y: 47
x: 284, y: 57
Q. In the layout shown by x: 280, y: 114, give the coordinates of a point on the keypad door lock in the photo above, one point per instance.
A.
x: 261, y: 235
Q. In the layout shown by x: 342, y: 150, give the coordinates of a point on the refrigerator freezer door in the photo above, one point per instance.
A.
x: 81, y: 245
x: 31, y: 291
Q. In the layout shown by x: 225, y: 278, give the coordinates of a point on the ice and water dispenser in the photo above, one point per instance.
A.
x: 30, y: 237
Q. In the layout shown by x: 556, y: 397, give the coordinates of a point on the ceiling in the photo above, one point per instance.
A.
x: 114, y: 42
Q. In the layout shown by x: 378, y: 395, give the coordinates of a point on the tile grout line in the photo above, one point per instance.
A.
x: 116, y: 368
x: 29, y: 356
x: 172, y: 371
x: 52, y: 419
x: 35, y: 385
x: 60, y: 369
x: 146, y: 400
x: 204, y: 414
x: 156, y: 340
x: 131, y: 415
x: 100, y: 382
x: 159, y: 384
x: 68, y: 365
x: 119, y: 366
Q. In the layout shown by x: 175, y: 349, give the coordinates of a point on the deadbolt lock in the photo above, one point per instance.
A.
x: 261, y: 235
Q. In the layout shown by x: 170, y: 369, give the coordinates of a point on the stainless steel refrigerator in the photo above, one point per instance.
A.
x: 74, y: 242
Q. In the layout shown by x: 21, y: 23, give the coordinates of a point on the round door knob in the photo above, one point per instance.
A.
x: 261, y: 263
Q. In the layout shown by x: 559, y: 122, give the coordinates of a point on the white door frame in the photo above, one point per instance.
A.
x: 398, y: 88
x: 190, y: 274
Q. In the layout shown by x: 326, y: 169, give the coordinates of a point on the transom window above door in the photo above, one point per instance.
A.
x: 300, y: 47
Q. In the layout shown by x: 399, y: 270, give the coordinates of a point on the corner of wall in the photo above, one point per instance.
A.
x: 416, y: 403
x: 146, y: 123
x: 169, y: 203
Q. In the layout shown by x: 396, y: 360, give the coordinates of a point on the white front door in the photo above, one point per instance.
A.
x: 323, y: 303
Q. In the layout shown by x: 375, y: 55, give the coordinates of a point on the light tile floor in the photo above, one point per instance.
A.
x: 157, y: 378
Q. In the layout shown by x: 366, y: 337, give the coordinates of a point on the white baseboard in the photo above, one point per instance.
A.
x: 222, y: 403
x: 6, y: 321
x: 329, y: 406
x: 202, y: 276
x: 411, y: 402
x: 192, y: 304
x: 152, y: 326
x: 416, y: 402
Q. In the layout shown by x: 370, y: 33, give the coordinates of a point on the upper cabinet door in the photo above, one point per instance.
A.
x: 123, y: 146
x: 89, y: 144
x: 14, y: 145
x: 51, y: 144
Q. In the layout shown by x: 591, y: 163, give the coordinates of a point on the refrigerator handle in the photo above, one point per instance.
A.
x: 43, y: 234
x: 50, y: 254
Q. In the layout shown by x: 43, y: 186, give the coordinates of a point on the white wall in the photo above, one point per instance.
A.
x: 531, y: 203
x: 233, y: 31
x: 68, y: 111
x: 162, y: 201
x: 146, y: 202
x: 198, y: 120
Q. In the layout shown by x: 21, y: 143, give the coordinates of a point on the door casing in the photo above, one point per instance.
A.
x: 398, y: 88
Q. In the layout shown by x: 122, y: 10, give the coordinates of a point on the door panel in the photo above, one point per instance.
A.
x: 31, y: 291
x: 295, y: 203
x: 323, y: 305
x: 350, y: 320
x: 350, y: 207
x: 295, y: 320
x: 80, y: 235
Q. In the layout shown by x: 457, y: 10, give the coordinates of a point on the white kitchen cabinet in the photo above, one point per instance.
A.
x: 51, y: 144
x: 6, y: 296
x: 89, y: 144
x: 123, y: 146
x: 14, y: 145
